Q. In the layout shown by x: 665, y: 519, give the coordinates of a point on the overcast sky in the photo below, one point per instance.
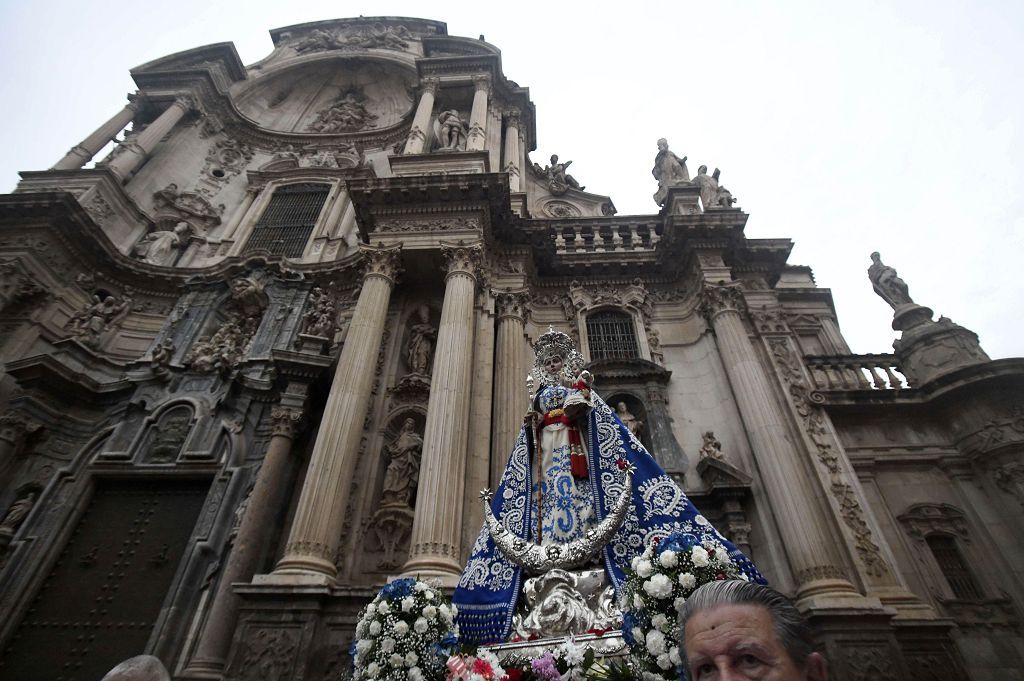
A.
x: 847, y: 127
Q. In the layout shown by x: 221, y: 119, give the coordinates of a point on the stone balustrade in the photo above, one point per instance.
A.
x: 857, y: 372
x: 604, y: 238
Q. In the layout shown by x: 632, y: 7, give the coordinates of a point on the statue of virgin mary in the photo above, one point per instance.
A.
x: 566, y: 476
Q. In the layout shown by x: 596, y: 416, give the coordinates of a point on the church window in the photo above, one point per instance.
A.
x: 611, y: 336
x: 285, y: 225
x: 953, y: 567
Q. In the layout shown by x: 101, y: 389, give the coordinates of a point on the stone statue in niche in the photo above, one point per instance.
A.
x: 168, y: 437
x: 631, y: 422
x: 403, y: 472
x: 17, y: 513
x: 98, y: 316
x: 669, y: 170
x: 711, y: 448
x: 161, y: 358
x: 452, y: 135
x: 420, y: 348
x: 319, y: 317
x: 654, y: 342
x: 887, y: 283
x: 162, y: 247
x: 346, y: 114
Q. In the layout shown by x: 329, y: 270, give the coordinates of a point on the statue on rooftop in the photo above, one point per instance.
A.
x: 669, y: 170
x: 887, y: 283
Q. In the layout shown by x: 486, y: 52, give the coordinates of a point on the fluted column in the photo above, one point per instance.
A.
x: 512, y: 151
x: 134, y: 152
x: 82, y: 153
x: 510, y: 370
x: 478, y: 114
x: 810, y: 547
x: 263, y: 506
x: 435, y: 547
x: 421, y: 121
x: 315, y: 534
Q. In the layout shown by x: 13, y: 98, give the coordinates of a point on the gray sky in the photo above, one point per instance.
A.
x: 847, y: 127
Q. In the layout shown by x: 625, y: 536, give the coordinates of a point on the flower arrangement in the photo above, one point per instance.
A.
x: 405, y: 634
x: 660, y: 581
x: 483, y: 665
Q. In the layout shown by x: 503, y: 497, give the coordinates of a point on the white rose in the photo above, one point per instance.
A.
x: 655, y: 642
x: 455, y: 611
x: 638, y: 603
x: 415, y: 674
x: 408, y: 603
x: 660, y: 622
x: 633, y: 563
x: 420, y: 625
x: 699, y: 556
x: 721, y: 554
x: 673, y: 654
x: 420, y: 586
x: 361, y: 629
x: 430, y: 612
x: 679, y: 604
x: 363, y: 645
x: 372, y: 669
x: 401, y: 628
x: 396, y: 660
x: 412, y: 658
x: 644, y: 568
x: 374, y: 628
x: 687, y: 580
x: 387, y: 645
x: 638, y: 634
x: 668, y: 558
x: 664, y: 662
x: 429, y: 595
x: 659, y: 586
x: 371, y: 609
x: 383, y: 608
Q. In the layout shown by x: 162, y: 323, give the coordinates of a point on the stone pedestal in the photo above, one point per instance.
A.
x: 435, y: 544
x: 928, y: 349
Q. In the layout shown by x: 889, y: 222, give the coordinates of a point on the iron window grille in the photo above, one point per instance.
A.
x: 953, y: 567
x: 285, y: 225
x: 611, y: 336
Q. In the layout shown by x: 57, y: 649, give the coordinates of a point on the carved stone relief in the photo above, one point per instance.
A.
x: 169, y: 435
x: 98, y: 316
x: 561, y: 209
x: 347, y: 113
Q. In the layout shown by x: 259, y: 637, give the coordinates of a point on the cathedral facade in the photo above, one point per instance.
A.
x: 263, y: 355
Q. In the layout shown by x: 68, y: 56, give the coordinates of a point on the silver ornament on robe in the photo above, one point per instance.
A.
x: 537, y: 559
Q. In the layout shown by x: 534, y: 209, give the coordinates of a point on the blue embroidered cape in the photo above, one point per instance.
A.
x: 489, y: 588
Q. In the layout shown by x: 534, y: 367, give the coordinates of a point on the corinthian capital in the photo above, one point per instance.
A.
x: 430, y: 85
x: 482, y: 82
x: 720, y: 299
x: 462, y: 258
x: 286, y: 420
x: 382, y: 261
x: 512, y: 304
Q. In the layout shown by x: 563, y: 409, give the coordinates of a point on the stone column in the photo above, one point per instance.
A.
x: 434, y: 550
x: 811, y: 547
x: 510, y: 371
x: 261, y: 508
x: 316, y: 531
x: 512, y: 151
x: 478, y: 114
x: 135, y: 152
x: 421, y: 121
x: 83, y: 152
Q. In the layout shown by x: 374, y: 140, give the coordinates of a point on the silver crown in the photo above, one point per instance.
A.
x: 556, y: 344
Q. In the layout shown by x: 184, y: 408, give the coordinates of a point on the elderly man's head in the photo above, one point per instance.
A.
x: 735, y: 631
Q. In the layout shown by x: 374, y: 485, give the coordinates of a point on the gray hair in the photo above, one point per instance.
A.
x: 790, y: 626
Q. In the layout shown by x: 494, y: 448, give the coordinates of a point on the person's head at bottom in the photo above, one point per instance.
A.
x: 735, y: 630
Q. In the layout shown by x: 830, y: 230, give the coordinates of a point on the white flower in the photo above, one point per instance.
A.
x: 633, y: 563
x: 396, y: 660
x: 363, y: 645
x: 655, y: 642
x: 455, y: 611
x: 387, y: 645
x: 659, y: 586
x: 411, y: 658
x: 383, y: 608
x: 644, y: 568
x: 401, y: 628
x: 687, y: 580
x: 372, y: 669
x: 664, y: 662
x: 668, y: 558
x: 679, y: 603
x: 374, y: 628
x: 571, y: 653
x: 699, y: 556
x: 700, y: 520
x: 361, y: 628
x: 673, y: 654
x: 661, y: 622
x: 408, y: 603
x: 430, y: 612
x: 371, y: 609
x: 638, y: 634
x: 415, y: 674
x: 429, y: 595
x: 420, y: 586
x: 420, y: 625
x: 721, y: 554
x: 638, y: 603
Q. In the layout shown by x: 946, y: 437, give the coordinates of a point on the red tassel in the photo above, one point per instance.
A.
x: 578, y: 464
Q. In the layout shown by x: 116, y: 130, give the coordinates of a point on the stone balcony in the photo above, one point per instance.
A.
x: 850, y: 373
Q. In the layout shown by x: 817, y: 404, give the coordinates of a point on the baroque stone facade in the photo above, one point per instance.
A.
x: 263, y: 356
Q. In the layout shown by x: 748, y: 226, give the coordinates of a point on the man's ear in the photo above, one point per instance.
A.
x: 815, y: 669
